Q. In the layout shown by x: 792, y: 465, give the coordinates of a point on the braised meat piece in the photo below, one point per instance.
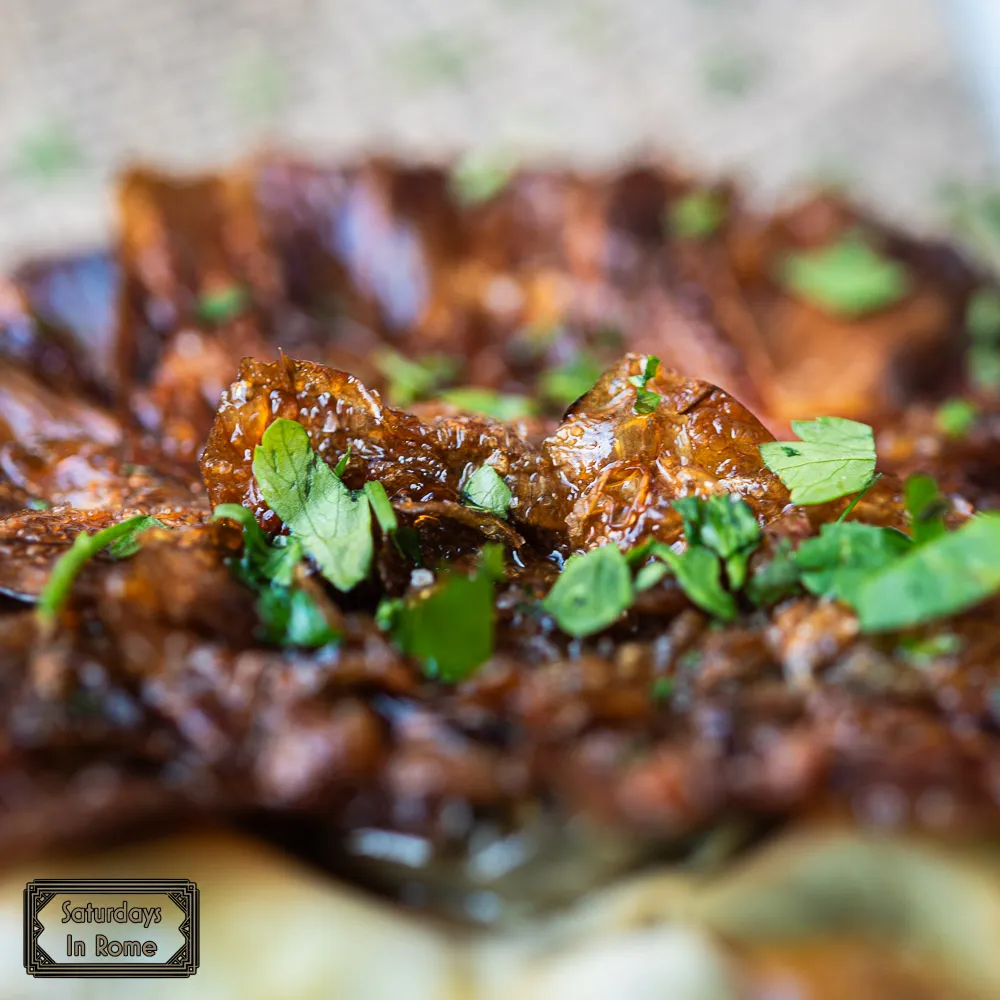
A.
x: 598, y: 348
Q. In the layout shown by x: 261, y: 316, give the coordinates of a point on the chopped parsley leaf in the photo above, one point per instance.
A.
x: 956, y: 417
x: 832, y: 458
x: 411, y: 379
x: 926, y: 508
x: 592, y: 591
x: 847, y: 279
x: 122, y: 537
x: 662, y: 689
x: 223, y: 304
x: 487, y: 491
x: 479, y: 177
x: 923, y: 651
x: 838, y: 562
x: 332, y: 522
x: 725, y: 524
x: 289, y: 615
x: 381, y: 507
x: 699, y: 573
x: 982, y: 316
x: 950, y: 574
x: 565, y: 384
x: 490, y: 403
x: 646, y: 401
x: 696, y: 215
x: 449, y: 627
x: 777, y: 579
x: 37, y: 503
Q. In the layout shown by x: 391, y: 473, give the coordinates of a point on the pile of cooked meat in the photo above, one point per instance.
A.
x: 424, y: 330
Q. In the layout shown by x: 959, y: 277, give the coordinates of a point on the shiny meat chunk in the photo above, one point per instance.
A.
x: 622, y: 468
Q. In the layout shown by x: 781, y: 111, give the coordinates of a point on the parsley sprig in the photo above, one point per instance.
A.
x: 122, y: 539
x: 449, y: 627
x: 646, y: 401
x: 833, y: 458
x: 288, y: 613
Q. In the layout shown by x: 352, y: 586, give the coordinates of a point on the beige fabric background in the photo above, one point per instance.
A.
x: 778, y: 91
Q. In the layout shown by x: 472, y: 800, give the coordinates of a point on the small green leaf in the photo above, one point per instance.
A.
x: 490, y: 403
x: 650, y: 576
x: 956, y: 417
x: 982, y: 316
x: 37, y: 503
x: 128, y: 544
x: 983, y: 366
x: 839, y: 562
x: 592, y: 591
x: 48, y: 152
x: 662, y: 689
x: 924, y: 651
x: 943, y: 577
x: 332, y: 522
x: 697, y: 215
x: 85, y: 546
x: 341, y: 467
x: 725, y: 524
x: 777, y: 579
x: 479, y: 177
x: 291, y: 617
x: 847, y: 279
x: 448, y: 627
x: 381, y: 507
x: 833, y: 458
x: 925, y: 507
x: 223, y: 304
x: 412, y: 379
x: 566, y: 383
x: 646, y: 401
x: 699, y: 573
x: 486, y: 491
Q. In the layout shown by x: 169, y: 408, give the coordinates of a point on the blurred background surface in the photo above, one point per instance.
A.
x: 873, y: 94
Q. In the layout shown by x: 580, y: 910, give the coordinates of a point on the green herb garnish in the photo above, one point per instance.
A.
x: 289, y: 616
x: 699, y: 572
x: 982, y: 316
x: 847, y: 279
x: 833, y: 458
x: 564, y: 384
x: 923, y: 651
x: 956, y: 417
x: 662, y: 688
x: 696, y: 216
x: 37, y: 503
x: 646, y: 401
x: 122, y: 537
x: 479, y: 177
x: 950, y: 574
x: 725, y: 524
x: 843, y: 557
x: 381, y: 507
x: 223, y: 304
x: 592, y: 591
x: 449, y: 627
x: 490, y: 403
x: 332, y: 522
x: 411, y: 379
x: 926, y: 508
x: 486, y: 491
x: 775, y: 580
